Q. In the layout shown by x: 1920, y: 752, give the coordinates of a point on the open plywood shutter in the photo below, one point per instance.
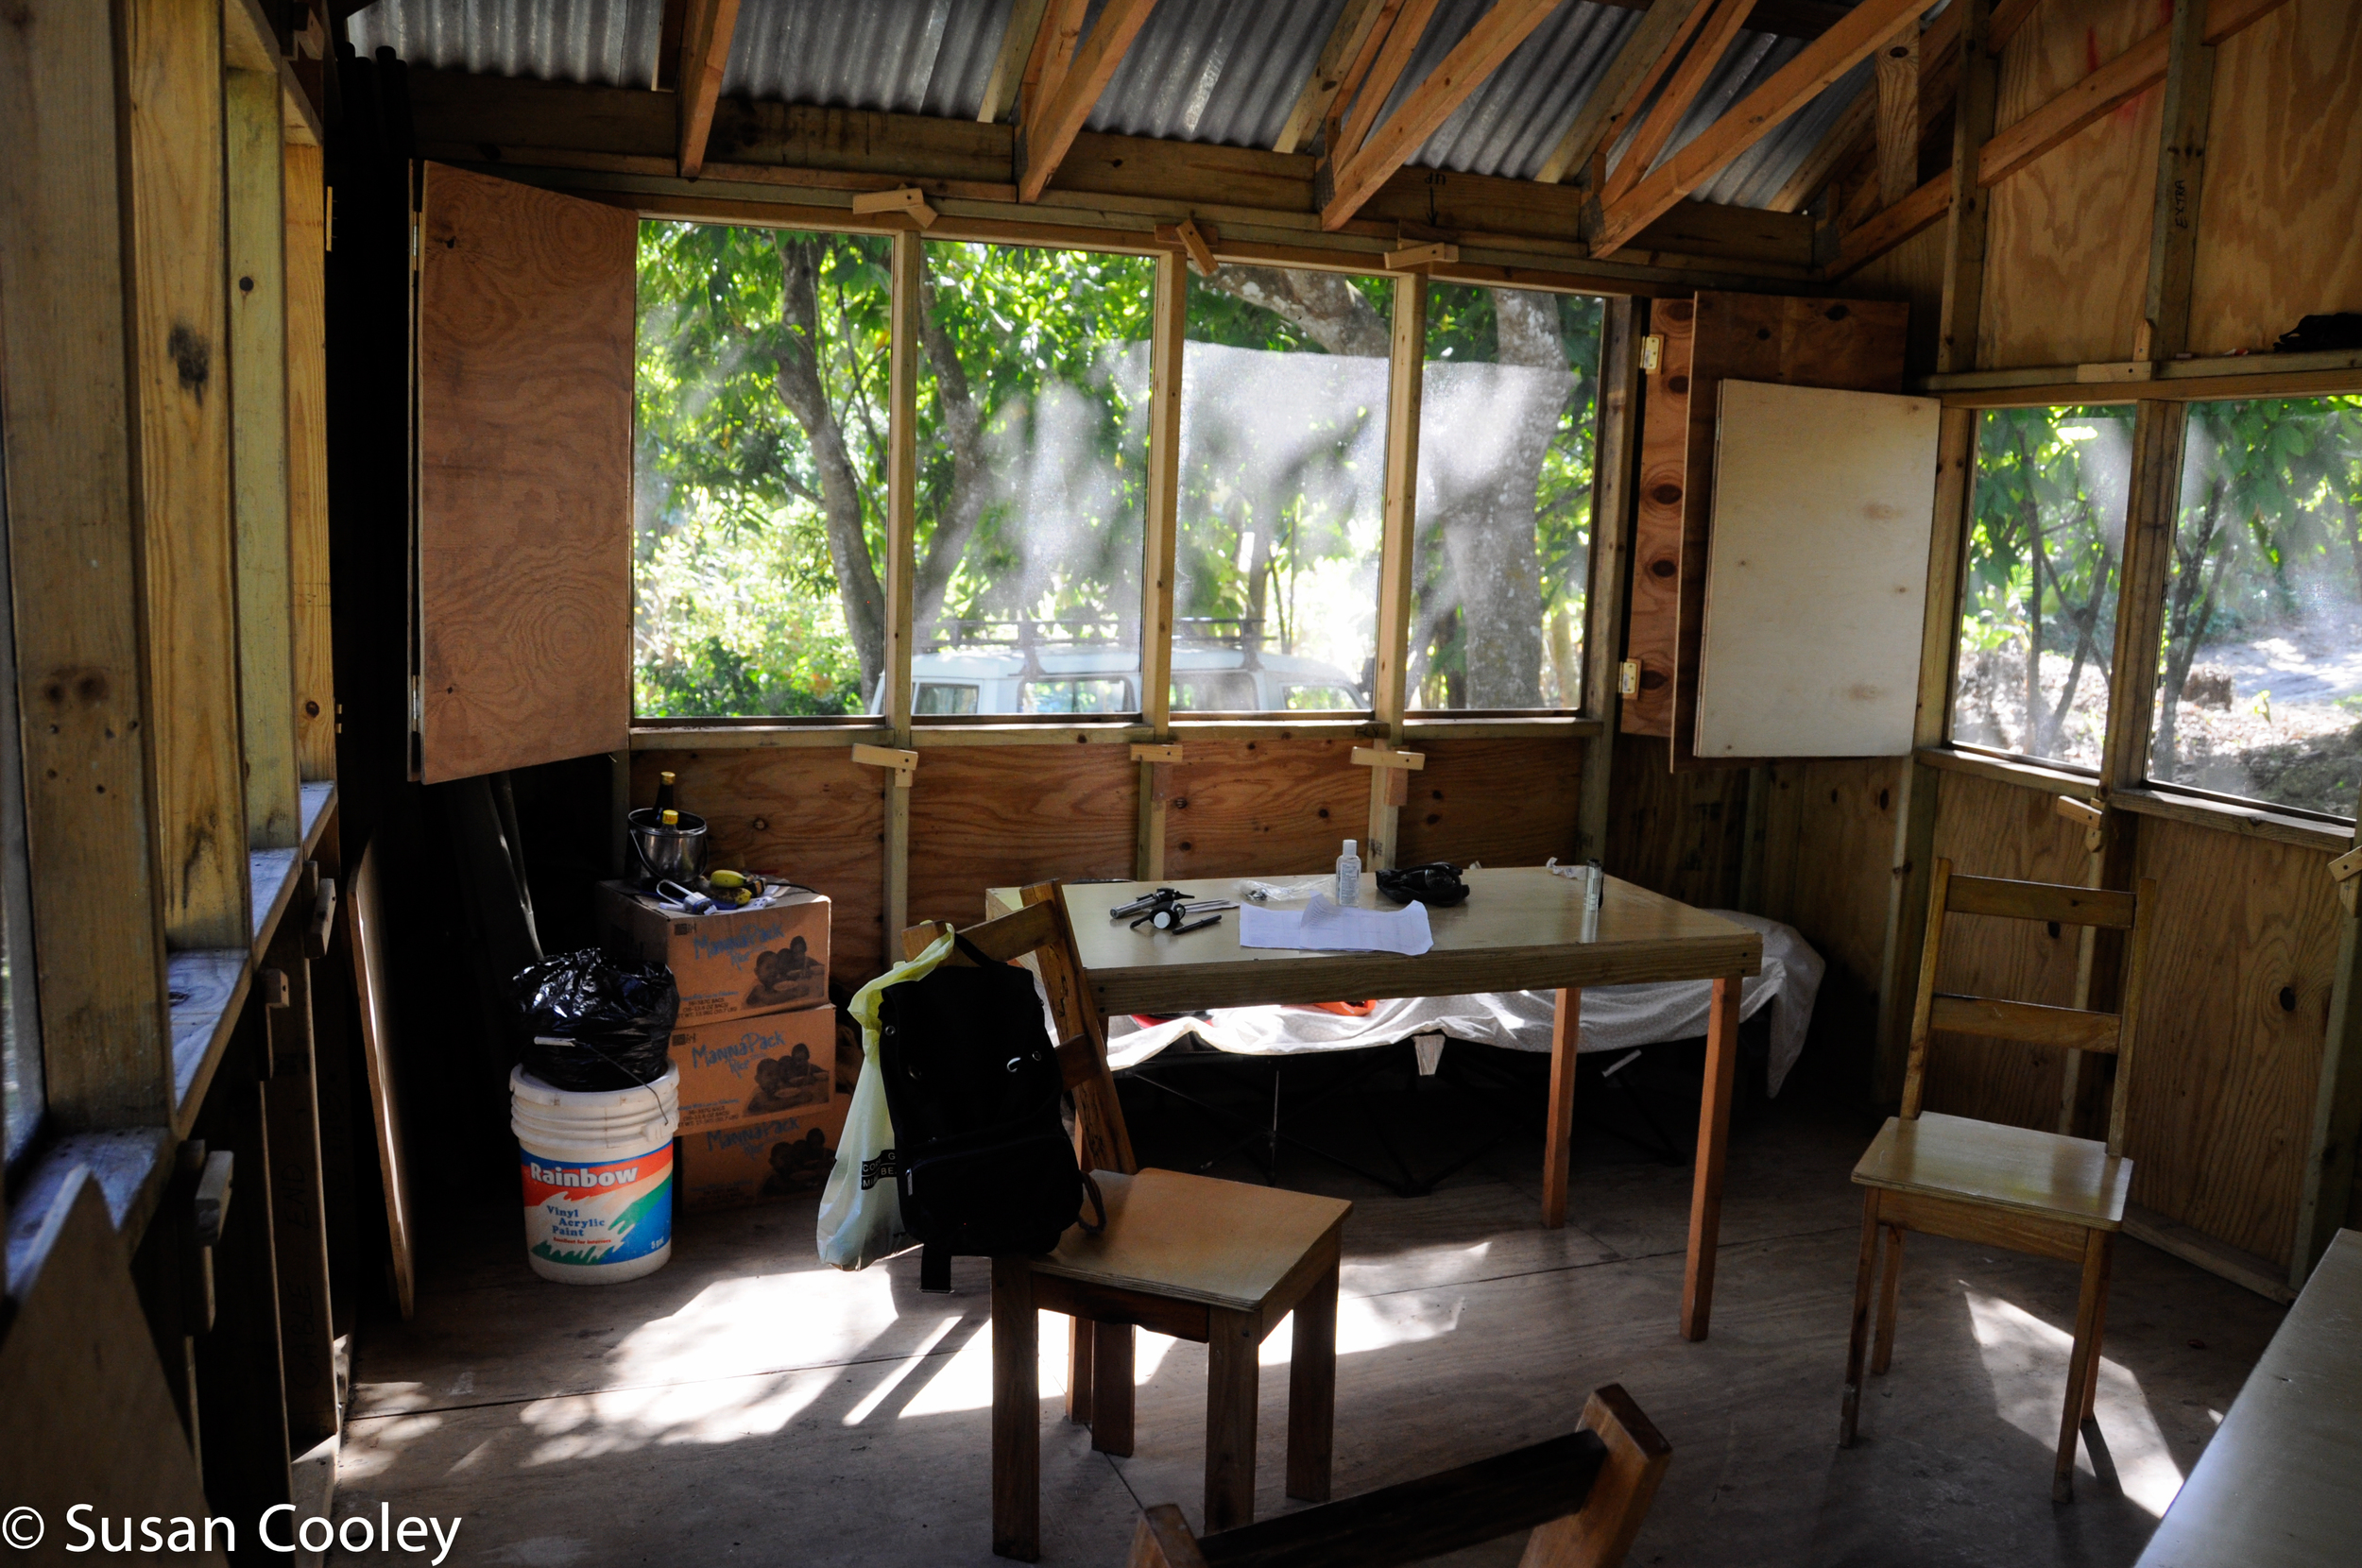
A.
x: 525, y: 317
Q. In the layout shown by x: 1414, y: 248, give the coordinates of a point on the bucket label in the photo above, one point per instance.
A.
x: 610, y: 1211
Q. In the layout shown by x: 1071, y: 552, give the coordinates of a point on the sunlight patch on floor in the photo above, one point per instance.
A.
x: 902, y: 1369
x: 2027, y: 1358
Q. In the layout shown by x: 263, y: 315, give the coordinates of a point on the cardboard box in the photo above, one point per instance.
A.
x: 724, y: 1167
x: 729, y: 965
x: 750, y: 1069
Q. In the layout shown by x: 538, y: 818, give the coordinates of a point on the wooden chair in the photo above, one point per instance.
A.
x: 1582, y: 1497
x: 1220, y: 1262
x: 2010, y: 1187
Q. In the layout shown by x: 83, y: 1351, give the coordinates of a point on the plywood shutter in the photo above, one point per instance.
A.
x: 525, y: 316
x: 1817, y: 572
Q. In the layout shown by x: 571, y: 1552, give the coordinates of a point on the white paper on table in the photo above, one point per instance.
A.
x: 1325, y: 926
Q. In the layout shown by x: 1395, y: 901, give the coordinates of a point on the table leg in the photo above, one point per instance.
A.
x: 1078, y: 1370
x: 1714, y: 1129
x: 1312, y: 1391
x: 1558, y: 1152
x: 1016, y: 1412
x: 1230, y: 1383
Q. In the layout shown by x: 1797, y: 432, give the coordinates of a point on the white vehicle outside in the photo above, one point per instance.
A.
x: 1042, y: 675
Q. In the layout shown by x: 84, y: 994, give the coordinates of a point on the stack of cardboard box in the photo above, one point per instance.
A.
x: 760, y: 1105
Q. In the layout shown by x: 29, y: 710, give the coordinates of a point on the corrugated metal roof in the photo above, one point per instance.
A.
x: 586, y: 40
x: 1209, y: 71
x: 902, y: 57
x: 1220, y: 71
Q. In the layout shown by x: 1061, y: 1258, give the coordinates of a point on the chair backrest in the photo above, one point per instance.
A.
x: 1039, y: 931
x: 2066, y: 1027
x: 1583, y: 1496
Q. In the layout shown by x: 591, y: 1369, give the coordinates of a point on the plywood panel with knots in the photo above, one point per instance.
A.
x: 2230, y: 1032
x: 526, y: 306
x: 2067, y: 273
x: 2283, y: 178
x: 1652, y: 615
x: 992, y: 816
x: 812, y: 815
x: 1680, y: 834
x: 1264, y: 808
x: 1501, y: 802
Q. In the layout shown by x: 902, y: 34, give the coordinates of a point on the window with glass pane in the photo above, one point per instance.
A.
x: 761, y: 423
x: 1033, y: 422
x: 1506, y: 425
x: 23, y: 1095
x: 2260, y: 693
x: 1283, y: 465
x: 2038, y: 600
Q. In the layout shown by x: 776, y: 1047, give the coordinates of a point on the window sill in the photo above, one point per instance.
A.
x: 785, y: 735
x: 2023, y: 775
x: 2255, y: 822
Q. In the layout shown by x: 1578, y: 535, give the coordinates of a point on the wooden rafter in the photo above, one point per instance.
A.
x: 1354, y: 24
x: 1344, y: 181
x: 1897, y: 76
x: 1897, y: 222
x: 1852, y: 140
x: 1061, y: 99
x: 669, y: 28
x: 1835, y: 149
x: 1792, y: 87
x: 1713, y: 37
x: 1648, y: 53
x: 1370, y: 80
x: 1008, y: 67
x: 705, y: 49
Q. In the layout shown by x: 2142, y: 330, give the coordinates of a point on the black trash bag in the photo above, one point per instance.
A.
x: 591, y: 1022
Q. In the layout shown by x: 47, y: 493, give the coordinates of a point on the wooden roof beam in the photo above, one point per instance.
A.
x: 1712, y: 35
x: 1343, y: 182
x: 1649, y: 50
x: 1370, y: 80
x: 1898, y: 86
x: 1790, y: 88
x: 705, y: 49
x: 1355, y: 24
x: 1059, y: 103
x: 1008, y: 67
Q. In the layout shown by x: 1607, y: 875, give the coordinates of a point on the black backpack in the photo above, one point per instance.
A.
x: 973, y: 1086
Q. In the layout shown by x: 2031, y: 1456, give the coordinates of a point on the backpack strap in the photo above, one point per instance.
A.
x: 1098, y: 1202
x: 934, y: 1269
x: 975, y: 955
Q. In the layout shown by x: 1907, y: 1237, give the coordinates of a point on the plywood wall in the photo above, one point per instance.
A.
x: 2066, y: 252
x: 1501, y: 802
x: 2280, y: 238
x: 810, y: 814
x: 1269, y: 807
x: 2231, y: 1034
x: 1828, y: 830
x: 1913, y: 273
x: 1682, y: 835
x: 1002, y: 816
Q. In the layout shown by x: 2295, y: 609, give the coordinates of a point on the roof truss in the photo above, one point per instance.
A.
x: 1058, y: 97
x: 705, y: 49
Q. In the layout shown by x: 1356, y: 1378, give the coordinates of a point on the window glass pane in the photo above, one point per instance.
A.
x: 939, y: 697
x: 761, y: 432
x: 1506, y: 425
x: 2260, y: 692
x: 1283, y: 465
x: 1033, y: 422
x: 2038, y: 602
x: 22, y: 1092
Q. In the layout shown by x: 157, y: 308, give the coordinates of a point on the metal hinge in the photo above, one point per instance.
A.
x: 1653, y: 351
x: 1627, y: 678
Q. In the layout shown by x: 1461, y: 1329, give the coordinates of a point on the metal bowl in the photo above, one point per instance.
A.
x: 678, y: 853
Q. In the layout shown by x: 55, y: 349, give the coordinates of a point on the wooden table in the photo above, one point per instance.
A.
x: 1521, y: 930
x: 2281, y: 1482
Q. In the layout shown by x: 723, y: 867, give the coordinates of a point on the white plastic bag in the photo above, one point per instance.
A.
x: 860, y: 1210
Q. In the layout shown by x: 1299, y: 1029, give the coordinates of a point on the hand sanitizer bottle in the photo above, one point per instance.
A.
x: 1348, y: 874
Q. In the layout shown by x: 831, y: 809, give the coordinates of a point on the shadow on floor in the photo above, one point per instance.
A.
x: 749, y: 1405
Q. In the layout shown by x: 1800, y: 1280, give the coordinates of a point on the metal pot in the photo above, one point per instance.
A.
x: 676, y: 853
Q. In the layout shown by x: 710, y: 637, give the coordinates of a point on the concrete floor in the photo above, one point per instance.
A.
x: 747, y: 1405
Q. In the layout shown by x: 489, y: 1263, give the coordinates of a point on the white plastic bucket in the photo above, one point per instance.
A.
x: 598, y: 1170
